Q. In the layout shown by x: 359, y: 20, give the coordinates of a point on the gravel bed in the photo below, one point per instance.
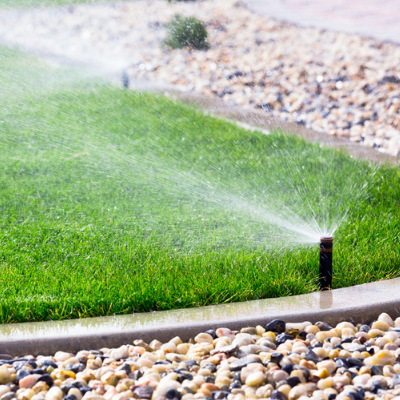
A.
x: 340, y: 84
x: 279, y: 361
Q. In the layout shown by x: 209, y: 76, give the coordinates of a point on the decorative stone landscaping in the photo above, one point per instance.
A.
x: 278, y: 361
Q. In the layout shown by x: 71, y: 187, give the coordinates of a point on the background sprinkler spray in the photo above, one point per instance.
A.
x: 325, y: 263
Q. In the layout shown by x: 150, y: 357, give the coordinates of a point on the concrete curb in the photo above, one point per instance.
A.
x: 358, y: 304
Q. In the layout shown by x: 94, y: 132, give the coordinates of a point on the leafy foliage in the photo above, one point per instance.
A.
x: 186, y: 32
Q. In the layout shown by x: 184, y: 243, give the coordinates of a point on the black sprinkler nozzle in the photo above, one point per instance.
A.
x: 325, y: 263
x: 125, y: 80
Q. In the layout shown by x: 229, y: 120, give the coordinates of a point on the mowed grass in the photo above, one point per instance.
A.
x: 117, y: 202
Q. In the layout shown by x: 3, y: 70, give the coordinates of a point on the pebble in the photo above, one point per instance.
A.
x: 28, y: 381
x: 143, y: 392
x: 118, y: 354
x: 5, y: 375
x: 276, y: 325
x: 244, y: 362
x: 55, y: 393
x: 335, y: 83
x: 9, y: 396
x: 383, y: 357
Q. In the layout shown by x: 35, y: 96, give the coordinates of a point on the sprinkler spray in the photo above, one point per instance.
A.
x: 325, y: 263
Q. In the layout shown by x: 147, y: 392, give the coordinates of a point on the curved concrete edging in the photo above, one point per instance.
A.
x: 360, y: 304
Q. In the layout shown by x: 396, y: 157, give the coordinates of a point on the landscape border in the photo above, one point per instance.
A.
x: 357, y: 304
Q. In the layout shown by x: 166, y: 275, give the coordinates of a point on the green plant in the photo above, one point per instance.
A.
x: 186, y: 31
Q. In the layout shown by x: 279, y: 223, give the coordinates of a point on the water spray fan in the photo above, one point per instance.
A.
x: 325, y: 263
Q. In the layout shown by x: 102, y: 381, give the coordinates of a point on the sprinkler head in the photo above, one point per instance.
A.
x: 125, y: 80
x: 325, y: 263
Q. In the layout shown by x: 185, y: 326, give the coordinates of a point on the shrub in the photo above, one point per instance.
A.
x: 183, y: 32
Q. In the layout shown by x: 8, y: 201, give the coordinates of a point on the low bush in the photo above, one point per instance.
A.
x: 186, y: 32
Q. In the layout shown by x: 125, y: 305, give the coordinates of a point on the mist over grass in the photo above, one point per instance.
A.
x: 117, y: 202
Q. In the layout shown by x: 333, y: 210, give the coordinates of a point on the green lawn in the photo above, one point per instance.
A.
x: 117, y: 202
